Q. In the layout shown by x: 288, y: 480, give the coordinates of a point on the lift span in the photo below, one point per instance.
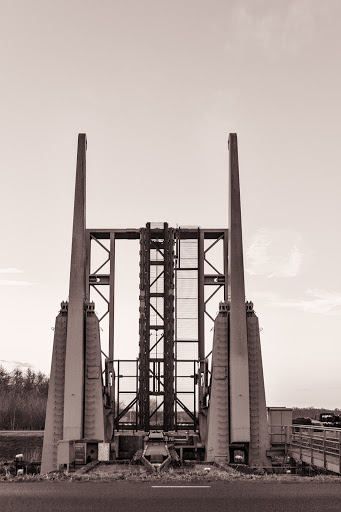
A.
x: 186, y: 398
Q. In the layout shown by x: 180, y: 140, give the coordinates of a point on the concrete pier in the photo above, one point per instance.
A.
x: 74, y: 361
x: 239, y: 370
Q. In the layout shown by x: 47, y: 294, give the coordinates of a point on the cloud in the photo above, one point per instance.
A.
x: 264, y: 295
x: 15, y: 363
x: 274, y: 29
x: 316, y: 300
x: 319, y: 301
x: 12, y: 282
x: 274, y: 254
x: 10, y: 270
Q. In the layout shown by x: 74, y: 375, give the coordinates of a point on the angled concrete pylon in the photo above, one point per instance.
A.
x: 94, y: 420
x: 74, y: 360
x: 55, y: 401
x: 217, y: 440
x: 238, y: 349
x: 259, y: 436
x: 75, y: 405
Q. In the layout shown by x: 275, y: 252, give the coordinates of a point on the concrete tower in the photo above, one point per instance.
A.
x: 239, y: 367
x: 74, y: 360
x: 237, y: 417
x: 75, y: 401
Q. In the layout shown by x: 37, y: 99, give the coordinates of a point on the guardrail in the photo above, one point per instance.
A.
x: 279, y: 435
x: 320, y: 446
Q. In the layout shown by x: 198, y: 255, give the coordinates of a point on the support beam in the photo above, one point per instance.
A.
x: 112, y: 299
x: 74, y: 360
x: 239, y: 372
x: 144, y: 329
x: 226, y: 265
x: 168, y: 352
x: 201, y: 297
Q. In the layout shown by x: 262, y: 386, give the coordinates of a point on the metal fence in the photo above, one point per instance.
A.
x: 279, y: 435
x: 318, y: 446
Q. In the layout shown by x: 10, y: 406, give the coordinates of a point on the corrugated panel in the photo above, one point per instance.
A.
x: 184, y: 385
x: 187, y: 311
x: 186, y: 350
x: 188, y: 254
x: 187, y: 293
x: 127, y: 384
x: 126, y: 368
x: 185, y: 368
x: 187, y: 308
x: 187, y: 329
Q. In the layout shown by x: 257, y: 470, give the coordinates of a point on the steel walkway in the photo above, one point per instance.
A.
x: 318, y: 446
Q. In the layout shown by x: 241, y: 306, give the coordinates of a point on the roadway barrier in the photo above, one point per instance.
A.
x: 318, y: 446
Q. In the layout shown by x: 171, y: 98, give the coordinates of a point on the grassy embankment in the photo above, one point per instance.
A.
x: 28, y: 443
x: 197, y: 475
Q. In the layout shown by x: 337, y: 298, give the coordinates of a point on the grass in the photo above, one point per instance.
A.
x: 196, y: 474
x: 30, y: 445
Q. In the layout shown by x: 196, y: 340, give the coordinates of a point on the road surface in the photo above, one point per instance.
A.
x: 148, y: 497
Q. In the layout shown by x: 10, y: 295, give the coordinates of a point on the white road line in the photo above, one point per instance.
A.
x: 180, y: 486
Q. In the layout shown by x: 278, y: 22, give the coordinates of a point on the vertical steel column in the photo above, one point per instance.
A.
x: 201, y: 295
x: 143, y: 396
x: 74, y: 358
x: 112, y: 298
x: 226, y: 262
x: 110, y: 369
x: 201, y: 318
x: 118, y: 396
x: 168, y: 328
x: 87, y: 264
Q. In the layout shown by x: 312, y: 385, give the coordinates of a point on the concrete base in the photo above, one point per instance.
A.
x: 93, y: 387
x: 93, y: 426
x: 217, y: 442
x: 55, y: 402
x: 260, y: 439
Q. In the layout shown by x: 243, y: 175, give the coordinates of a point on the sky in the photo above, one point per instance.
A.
x: 157, y: 86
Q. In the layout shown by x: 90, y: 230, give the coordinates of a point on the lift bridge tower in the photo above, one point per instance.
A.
x: 208, y: 399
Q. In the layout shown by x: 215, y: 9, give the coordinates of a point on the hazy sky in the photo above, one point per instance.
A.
x: 157, y: 86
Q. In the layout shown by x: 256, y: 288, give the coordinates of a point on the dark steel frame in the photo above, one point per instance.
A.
x: 166, y: 238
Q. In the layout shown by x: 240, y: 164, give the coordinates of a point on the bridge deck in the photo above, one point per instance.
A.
x: 318, y: 446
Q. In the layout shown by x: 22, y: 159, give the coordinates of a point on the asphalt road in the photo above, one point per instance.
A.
x: 146, y: 497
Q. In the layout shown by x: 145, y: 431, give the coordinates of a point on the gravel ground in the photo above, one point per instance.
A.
x: 197, y: 473
x: 194, y: 474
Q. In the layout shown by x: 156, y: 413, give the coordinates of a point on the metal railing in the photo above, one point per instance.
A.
x: 316, y: 445
x: 279, y: 435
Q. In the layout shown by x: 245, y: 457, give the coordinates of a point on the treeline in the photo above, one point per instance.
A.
x: 23, y: 398
x: 311, y: 412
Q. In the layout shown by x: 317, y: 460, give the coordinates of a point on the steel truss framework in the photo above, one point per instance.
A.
x: 159, y: 370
